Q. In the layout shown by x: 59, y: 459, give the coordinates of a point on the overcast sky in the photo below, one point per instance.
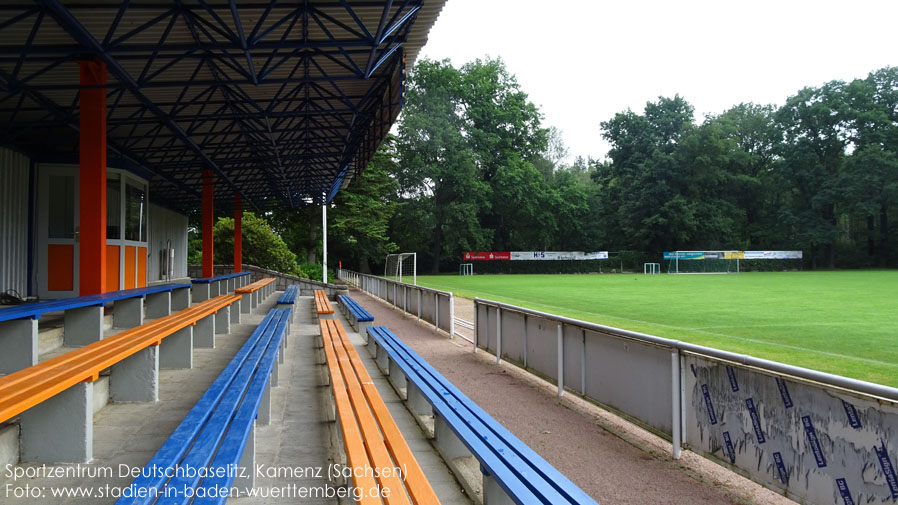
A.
x: 582, y: 61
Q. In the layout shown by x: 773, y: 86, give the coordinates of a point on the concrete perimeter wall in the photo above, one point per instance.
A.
x: 431, y: 305
x: 306, y: 286
x: 815, y: 437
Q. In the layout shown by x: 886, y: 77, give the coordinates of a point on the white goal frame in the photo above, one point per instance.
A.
x: 394, y: 269
x: 465, y: 269
x: 651, y: 268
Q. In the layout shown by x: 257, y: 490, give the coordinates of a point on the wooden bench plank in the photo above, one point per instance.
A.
x: 26, y: 388
x: 415, y: 481
x: 357, y: 310
x: 35, y: 310
x: 289, y: 296
x: 235, y: 440
x: 523, y: 473
x: 322, y: 304
x: 247, y: 360
x: 255, y: 286
x: 213, y: 430
x: 208, y: 280
x: 375, y: 444
x: 356, y: 455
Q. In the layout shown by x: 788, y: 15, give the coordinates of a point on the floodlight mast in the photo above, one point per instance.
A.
x: 324, y: 240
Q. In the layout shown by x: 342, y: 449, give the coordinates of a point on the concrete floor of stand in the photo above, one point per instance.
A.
x: 127, y: 435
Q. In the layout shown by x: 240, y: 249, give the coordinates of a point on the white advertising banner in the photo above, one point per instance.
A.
x: 558, y: 255
x: 773, y: 255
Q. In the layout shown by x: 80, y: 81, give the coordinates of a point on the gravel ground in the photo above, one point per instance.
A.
x: 612, y: 460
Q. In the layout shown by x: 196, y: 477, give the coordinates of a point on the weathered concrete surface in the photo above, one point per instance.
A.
x: 126, y: 435
x: 611, y: 459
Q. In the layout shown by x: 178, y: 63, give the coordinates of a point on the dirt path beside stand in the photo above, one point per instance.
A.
x: 612, y: 460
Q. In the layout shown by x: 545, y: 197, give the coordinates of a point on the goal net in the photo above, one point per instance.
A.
x: 402, y: 267
x: 465, y: 269
x: 702, y: 262
x: 651, y: 268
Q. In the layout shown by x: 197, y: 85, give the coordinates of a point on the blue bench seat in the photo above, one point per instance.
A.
x: 289, y: 295
x: 210, y: 287
x: 358, y: 317
x: 511, y: 471
x: 83, y: 319
x: 206, y: 280
x: 218, y: 432
x: 37, y: 309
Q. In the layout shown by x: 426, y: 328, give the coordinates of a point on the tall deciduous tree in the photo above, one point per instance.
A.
x: 262, y: 247
x: 642, y: 201
x: 361, y: 212
x: 440, y: 178
x: 814, y: 123
x: 872, y: 169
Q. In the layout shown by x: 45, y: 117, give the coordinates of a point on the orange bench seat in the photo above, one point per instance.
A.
x: 371, y: 438
x: 323, y: 306
x: 26, y: 388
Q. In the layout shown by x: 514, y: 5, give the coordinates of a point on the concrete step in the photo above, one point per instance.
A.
x: 50, y: 338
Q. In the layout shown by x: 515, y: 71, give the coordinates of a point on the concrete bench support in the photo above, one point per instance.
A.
x: 60, y: 429
x: 83, y: 325
x: 264, y: 417
x: 128, y: 313
x: 235, y: 311
x: 214, y: 289
x: 256, y: 298
x: 200, y: 292
x: 18, y: 339
x: 180, y: 299
x: 361, y: 325
x: 283, y: 350
x: 136, y: 378
x: 493, y: 494
x: 416, y: 401
x: 246, y: 473
x: 448, y: 443
x: 204, y: 332
x: 223, y: 321
x: 371, y: 344
x: 383, y: 361
x: 396, y: 376
x: 176, y: 350
x: 246, y: 303
x: 159, y: 304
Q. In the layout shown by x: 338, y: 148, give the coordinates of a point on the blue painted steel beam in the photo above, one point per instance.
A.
x: 74, y: 28
x: 309, y: 132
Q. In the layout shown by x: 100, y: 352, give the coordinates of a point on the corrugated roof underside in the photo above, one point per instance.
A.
x: 278, y: 100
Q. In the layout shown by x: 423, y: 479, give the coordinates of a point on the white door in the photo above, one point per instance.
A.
x: 57, y: 231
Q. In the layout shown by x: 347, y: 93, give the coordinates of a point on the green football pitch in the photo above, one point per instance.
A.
x: 844, y: 323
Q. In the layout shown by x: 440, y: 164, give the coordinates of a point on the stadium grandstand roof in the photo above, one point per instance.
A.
x: 284, y: 101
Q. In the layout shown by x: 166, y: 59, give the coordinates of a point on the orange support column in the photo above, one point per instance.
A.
x: 92, y: 193
x: 208, y: 222
x: 238, y: 234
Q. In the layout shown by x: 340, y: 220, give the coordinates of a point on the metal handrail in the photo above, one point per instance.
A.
x: 838, y: 381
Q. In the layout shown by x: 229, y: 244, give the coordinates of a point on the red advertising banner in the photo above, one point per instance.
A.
x: 487, y: 255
